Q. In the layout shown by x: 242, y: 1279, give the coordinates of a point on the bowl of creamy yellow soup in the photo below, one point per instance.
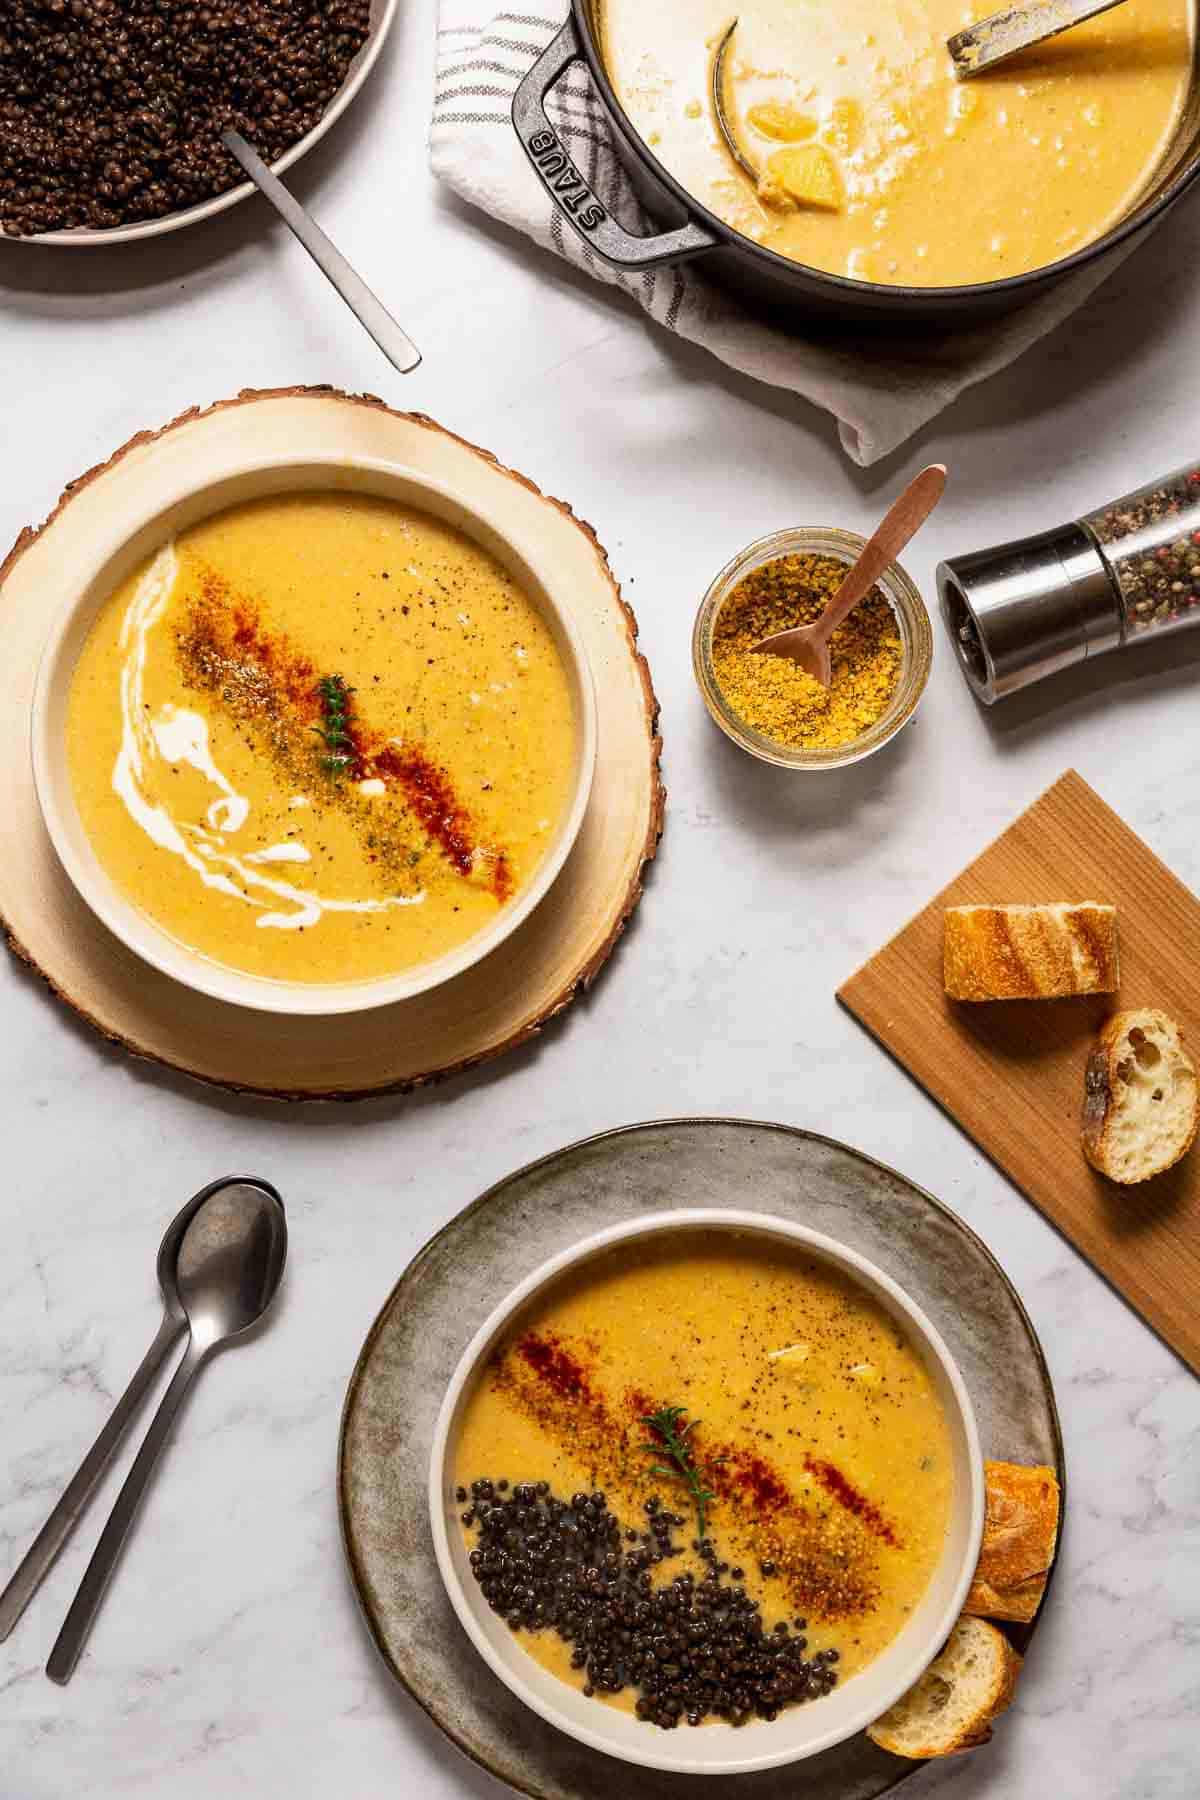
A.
x: 706, y: 1492
x: 315, y: 737
x: 856, y: 172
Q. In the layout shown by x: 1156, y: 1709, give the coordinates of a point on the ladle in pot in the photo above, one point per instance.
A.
x: 724, y: 123
x: 1002, y: 34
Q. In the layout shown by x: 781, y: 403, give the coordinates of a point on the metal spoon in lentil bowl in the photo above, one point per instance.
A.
x: 367, y: 308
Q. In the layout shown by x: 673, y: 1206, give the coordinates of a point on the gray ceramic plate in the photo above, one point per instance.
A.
x: 456, y: 1280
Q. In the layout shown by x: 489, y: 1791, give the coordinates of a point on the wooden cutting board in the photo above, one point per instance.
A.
x: 1011, y: 1072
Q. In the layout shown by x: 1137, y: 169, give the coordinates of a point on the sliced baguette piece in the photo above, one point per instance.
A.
x: 1020, y: 1530
x: 1141, y: 1101
x: 952, y: 1707
x: 1030, y: 952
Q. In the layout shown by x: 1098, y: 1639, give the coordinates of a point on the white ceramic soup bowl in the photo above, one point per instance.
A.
x: 799, y: 1731
x: 128, y: 543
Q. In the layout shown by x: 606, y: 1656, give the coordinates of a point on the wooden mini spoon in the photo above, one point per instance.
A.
x: 809, y: 644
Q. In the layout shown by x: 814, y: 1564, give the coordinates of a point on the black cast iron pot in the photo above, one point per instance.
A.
x: 755, y: 274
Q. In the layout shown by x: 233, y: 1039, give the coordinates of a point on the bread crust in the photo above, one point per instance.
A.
x: 1020, y: 1532
x: 1103, y: 1092
x: 1042, y: 952
x: 975, y: 1730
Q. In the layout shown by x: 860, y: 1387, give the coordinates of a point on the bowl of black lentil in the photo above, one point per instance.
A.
x: 692, y: 1648
x: 111, y: 111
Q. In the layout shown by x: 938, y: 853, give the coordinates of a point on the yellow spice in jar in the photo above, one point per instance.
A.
x: 774, y: 695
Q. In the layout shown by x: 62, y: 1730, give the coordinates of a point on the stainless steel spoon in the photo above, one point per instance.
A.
x: 370, y: 311
x: 227, y: 1270
x: 62, y: 1521
x: 994, y: 39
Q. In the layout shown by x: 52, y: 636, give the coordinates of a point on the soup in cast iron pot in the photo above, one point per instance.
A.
x: 874, y: 161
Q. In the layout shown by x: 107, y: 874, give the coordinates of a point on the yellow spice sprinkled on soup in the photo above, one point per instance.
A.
x: 321, y: 737
x: 704, y: 1478
x: 872, y: 159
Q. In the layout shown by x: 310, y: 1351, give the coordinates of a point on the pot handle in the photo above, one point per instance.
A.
x: 567, y: 188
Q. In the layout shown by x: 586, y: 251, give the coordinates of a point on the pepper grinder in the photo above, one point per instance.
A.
x: 1026, y: 609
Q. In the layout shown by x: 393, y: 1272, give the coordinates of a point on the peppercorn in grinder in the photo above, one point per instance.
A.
x: 1026, y: 609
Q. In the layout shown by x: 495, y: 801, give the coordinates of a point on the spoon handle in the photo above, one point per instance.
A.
x: 992, y: 40
x: 370, y: 311
x: 904, y: 517
x: 86, y: 1604
x: 50, y: 1539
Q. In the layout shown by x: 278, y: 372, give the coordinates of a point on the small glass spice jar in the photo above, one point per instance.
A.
x: 916, y: 649
x: 1024, y: 610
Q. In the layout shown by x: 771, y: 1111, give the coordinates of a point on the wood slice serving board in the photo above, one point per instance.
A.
x: 1011, y: 1072
x: 504, y: 999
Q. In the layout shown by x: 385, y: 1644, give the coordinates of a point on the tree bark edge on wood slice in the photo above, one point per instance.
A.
x: 583, y: 977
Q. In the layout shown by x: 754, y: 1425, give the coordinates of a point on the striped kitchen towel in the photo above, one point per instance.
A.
x: 881, y: 386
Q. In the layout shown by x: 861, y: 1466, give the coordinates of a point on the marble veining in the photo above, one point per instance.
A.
x: 229, y: 1656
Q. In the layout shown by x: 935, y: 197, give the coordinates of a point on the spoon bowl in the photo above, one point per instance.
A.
x: 808, y: 645
x: 167, y: 1262
x: 230, y: 1262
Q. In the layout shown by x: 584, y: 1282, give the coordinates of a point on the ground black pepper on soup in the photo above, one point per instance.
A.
x: 321, y: 737
x: 817, y: 1435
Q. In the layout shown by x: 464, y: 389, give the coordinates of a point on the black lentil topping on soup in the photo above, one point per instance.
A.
x: 693, y: 1649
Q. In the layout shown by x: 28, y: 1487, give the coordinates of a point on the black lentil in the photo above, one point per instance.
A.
x: 111, y: 110
x: 691, y: 1649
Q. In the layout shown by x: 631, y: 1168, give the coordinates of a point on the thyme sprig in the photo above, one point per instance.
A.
x: 334, y: 696
x: 672, y: 1439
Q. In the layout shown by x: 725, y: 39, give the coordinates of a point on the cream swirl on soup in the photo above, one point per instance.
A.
x: 321, y: 737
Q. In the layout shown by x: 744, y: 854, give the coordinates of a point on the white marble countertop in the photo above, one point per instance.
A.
x: 229, y: 1656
